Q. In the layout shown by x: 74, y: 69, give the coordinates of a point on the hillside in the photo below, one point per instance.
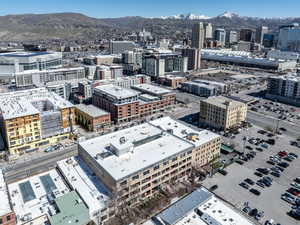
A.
x: 74, y: 26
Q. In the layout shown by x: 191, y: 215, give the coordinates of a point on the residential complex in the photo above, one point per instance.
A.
x: 124, y: 160
x: 34, y: 118
x: 204, y: 87
x: 284, y: 88
x: 221, y: 112
x: 126, y: 104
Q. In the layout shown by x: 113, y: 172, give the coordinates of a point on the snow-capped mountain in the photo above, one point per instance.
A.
x: 228, y: 15
x: 188, y: 16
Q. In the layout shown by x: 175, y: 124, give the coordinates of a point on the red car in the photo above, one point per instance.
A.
x: 294, y: 191
x: 282, y: 153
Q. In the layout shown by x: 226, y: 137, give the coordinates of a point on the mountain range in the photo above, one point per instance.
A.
x: 74, y: 26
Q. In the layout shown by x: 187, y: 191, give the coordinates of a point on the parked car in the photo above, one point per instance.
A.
x: 244, y: 185
x: 249, y: 181
x: 246, y: 209
x: 223, y: 172
x: 283, y: 164
x: 275, y: 174
x: 253, y: 212
x: 254, y: 191
x: 264, y: 171
x: 258, y: 174
x: 271, y: 162
x: 239, y: 162
x: 213, y: 188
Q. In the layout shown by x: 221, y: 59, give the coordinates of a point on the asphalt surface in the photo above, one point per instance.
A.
x: 14, y: 172
x: 263, y: 121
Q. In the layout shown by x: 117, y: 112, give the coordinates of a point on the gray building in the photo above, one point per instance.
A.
x: 231, y: 37
x: 260, y: 32
x: 118, y: 47
x: 194, y: 58
x: 220, y: 35
x: 289, y: 38
x: 198, y: 35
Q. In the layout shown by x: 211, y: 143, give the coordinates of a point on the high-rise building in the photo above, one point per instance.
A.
x: 289, y: 38
x: 208, y: 31
x: 269, y: 40
x: 247, y: 35
x: 198, y: 35
x: 260, y: 32
x: 231, y: 37
x: 118, y: 47
x: 194, y: 58
x: 220, y: 35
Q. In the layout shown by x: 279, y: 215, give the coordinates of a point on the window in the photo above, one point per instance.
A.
x: 135, y: 177
x: 166, y: 163
x: 174, y: 159
x: 1, y: 222
x: 156, y: 167
x: 123, y: 182
x: 146, y: 172
x: 8, y: 218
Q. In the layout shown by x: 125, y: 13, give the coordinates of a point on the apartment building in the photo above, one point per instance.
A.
x: 34, y: 118
x: 92, y: 117
x: 136, y: 162
x: 122, y: 103
x: 221, y: 112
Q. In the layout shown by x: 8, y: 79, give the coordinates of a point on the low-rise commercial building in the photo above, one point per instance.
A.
x: 221, y: 112
x: 7, y: 216
x: 33, y: 198
x: 136, y: 162
x: 172, y: 81
x: 33, y: 118
x: 201, y: 207
x: 92, y: 117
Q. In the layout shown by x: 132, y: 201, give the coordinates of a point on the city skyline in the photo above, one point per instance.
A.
x: 100, y: 9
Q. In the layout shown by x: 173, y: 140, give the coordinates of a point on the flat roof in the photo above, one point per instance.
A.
x: 5, y: 206
x: 116, y: 91
x: 25, y: 54
x: 127, y: 151
x: 81, y: 178
x: 149, y: 88
x: 91, y: 110
x: 19, y: 103
x: 38, y: 203
x: 179, y: 129
x: 71, y: 210
x: 201, y: 207
x: 220, y: 101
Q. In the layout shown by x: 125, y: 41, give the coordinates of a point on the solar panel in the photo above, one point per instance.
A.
x: 27, y: 191
x: 48, y: 183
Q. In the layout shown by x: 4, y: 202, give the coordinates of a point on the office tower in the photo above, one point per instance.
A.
x: 231, y: 37
x: 269, y: 40
x: 118, y: 47
x: 246, y: 35
x: 198, y: 35
x: 194, y: 58
x: 220, y: 35
x: 260, y: 32
x: 208, y: 31
x: 289, y: 38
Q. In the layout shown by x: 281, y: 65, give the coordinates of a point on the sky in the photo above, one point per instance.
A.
x: 154, y: 8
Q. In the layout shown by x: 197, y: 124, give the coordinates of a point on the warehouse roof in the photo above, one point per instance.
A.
x: 91, y: 110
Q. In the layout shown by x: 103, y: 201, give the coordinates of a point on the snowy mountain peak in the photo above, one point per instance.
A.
x: 188, y: 16
x: 228, y: 15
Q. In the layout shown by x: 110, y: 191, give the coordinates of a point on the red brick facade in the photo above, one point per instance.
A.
x: 8, y: 219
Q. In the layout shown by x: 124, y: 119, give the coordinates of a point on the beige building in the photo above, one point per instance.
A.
x: 34, y: 118
x: 222, y: 113
x: 135, y: 163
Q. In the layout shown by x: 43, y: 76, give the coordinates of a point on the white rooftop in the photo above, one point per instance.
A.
x: 127, y: 151
x: 196, y: 137
x: 35, y: 204
x: 81, y: 178
x: 222, y: 213
x: 91, y: 110
x: 19, y: 103
x: 116, y: 91
x: 156, y: 90
x: 4, y: 206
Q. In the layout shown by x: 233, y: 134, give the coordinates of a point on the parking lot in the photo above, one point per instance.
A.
x: 277, y: 110
x: 269, y: 201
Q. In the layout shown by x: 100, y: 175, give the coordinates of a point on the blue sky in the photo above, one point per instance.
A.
x: 154, y: 8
